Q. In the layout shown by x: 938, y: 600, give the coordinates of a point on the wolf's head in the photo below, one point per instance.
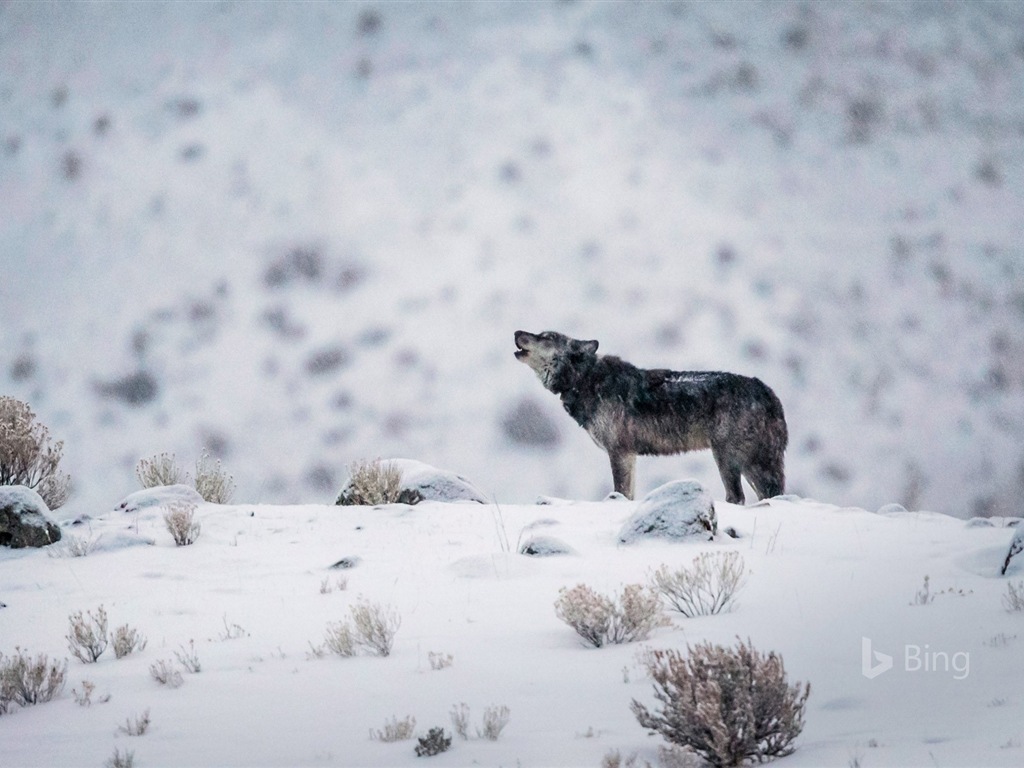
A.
x: 553, y: 355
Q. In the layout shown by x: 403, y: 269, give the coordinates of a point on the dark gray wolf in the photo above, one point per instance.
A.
x: 630, y: 411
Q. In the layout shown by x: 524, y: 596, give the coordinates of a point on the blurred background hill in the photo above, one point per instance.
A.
x: 301, y: 234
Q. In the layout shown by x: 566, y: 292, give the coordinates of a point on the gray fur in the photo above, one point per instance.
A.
x: 630, y: 411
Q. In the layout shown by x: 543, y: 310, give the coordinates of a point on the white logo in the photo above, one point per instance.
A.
x: 868, y: 668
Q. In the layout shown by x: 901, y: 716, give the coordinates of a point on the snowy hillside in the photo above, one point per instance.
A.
x: 255, y: 594
x: 301, y: 234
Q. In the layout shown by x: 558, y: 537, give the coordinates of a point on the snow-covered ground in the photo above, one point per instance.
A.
x: 248, y: 594
x: 302, y: 234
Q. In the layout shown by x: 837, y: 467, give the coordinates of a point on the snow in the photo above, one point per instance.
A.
x: 249, y: 594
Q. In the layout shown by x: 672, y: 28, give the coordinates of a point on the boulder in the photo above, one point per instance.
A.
x: 544, y: 546
x: 678, y: 510
x: 159, y: 496
x: 25, y: 519
x: 422, y: 482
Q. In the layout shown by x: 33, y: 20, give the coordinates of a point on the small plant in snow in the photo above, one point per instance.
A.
x: 212, y: 482
x: 1013, y: 600
x: 340, y: 584
x: 395, y: 730
x: 26, y: 681
x: 87, y: 638
x: 84, y: 699
x: 924, y: 595
x: 165, y: 674
x: 601, y: 620
x: 434, y: 743
x: 375, y: 627
x: 372, y: 482
x: 729, y: 705
x: 708, y: 587
x: 158, y: 470
x: 460, y: 720
x: 188, y: 658
x: 232, y: 631
x: 613, y: 759
x: 127, y: 641
x: 72, y: 546
x: 121, y: 759
x: 338, y: 639
x: 137, y: 726
x: 494, y: 722
x: 439, y: 661
x: 180, y: 521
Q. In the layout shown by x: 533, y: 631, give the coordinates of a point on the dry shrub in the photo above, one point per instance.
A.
x: 126, y: 641
x: 494, y: 722
x: 339, y: 639
x: 87, y: 637
x: 212, y: 482
x: 137, y: 726
x: 601, y: 620
x: 165, y: 674
x: 158, y: 470
x: 180, y: 521
x: 728, y: 705
x: 72, y: 546
x: 372, y: 482
x: 708, y: 587
x: 375, y: 627
x: 460, y: 720
x: 439, y: 661
x: 1013, y: 600
x: 121, y: 759
x: 26, y: 681
x: 26, y: 455
x: 395, y: 730
x: 188, y: 658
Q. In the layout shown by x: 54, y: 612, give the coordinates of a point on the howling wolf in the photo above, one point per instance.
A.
x: 629, y: 411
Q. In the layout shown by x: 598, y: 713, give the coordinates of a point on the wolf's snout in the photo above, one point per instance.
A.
x: 521, y: 338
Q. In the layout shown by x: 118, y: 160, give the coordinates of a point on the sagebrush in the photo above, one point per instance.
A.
x: 395, y: 730
x: 164, y: 673
x: 729, y: 705
x: 601, y: 620
x: 87, y: 637
x: 181, y: 523
x: 26, y: 455
x: 707, y: 587
x: 211, y: 481
x: 158, y: 470
x: 26, y: 681
x: 127, y: 641
x: 1013, y: 600
x: 371, y: 627
x: 372, y: 482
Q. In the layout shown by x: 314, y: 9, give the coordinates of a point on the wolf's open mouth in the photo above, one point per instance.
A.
x: 520, y: 352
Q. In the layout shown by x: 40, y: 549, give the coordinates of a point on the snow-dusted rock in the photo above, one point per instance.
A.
x: 25, y: 519
x: 422, y: 482
x: 159, y: 496
x: 1016, y: 547
x: 544, y: 546
x: 892, y: 509
x: 677, y: 510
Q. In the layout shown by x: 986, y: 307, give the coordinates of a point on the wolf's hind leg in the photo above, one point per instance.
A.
x: 768, y: 482
x: 731, y: 479
x: 623, y: 472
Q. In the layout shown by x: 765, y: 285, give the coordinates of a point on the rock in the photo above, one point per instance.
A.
x: 160, y: 496
x: 346, y: 563
x: 25, y: 519
x: 892, y: 509
x: 1016, y: 547
x: 422, y: 482
x: 544, y: 546
x: 615, y: 496
x: 678, y: 510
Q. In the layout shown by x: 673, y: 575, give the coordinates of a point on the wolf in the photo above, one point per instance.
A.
x: 630, y: 411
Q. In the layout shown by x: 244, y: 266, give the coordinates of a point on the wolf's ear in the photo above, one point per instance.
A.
x: 590, y: 347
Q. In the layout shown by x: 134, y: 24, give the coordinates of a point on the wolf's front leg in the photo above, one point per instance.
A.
x: 623, y: 472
